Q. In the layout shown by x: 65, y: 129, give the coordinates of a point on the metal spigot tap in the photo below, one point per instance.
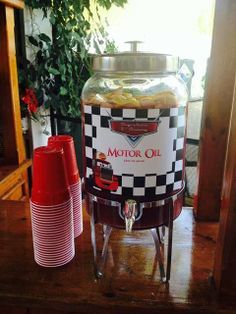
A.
x: 130, y: 209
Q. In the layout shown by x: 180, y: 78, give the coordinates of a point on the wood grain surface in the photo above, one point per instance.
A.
x: 131, y: 283
x: 216, y: 111
x: 18, y: 4
x: 6, y: 104
x: 225, y: 261
x: 12, y: 137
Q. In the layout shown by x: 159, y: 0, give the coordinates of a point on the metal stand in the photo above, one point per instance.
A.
x: 158, y: 234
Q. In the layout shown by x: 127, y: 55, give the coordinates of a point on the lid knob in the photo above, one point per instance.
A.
x: 134, y: 45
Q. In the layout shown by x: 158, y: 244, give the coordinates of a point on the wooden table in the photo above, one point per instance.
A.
x: 132, y: 281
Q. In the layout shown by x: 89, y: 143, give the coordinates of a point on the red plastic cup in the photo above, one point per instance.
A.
x: 50, y: 183
x: 66, y: 142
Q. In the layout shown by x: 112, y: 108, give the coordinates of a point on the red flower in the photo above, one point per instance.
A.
x: 30, y: 100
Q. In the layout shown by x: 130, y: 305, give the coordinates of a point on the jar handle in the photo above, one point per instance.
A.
x: 134, y: 45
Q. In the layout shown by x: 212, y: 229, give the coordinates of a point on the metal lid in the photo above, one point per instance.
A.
x: 135, y: 61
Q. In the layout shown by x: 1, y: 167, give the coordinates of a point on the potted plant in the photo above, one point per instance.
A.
x: 61, y: 63
x: 54, y: 77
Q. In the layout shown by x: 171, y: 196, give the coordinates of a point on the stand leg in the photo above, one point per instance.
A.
x: 170, y: 235
x: 104, y: 231
x: 107, y: 232
x: 155, y: 235
x: 161, y: 234
x: 93, y: 237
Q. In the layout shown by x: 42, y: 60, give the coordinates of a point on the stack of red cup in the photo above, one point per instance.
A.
x: 67, y: 144
x: 51, y: 209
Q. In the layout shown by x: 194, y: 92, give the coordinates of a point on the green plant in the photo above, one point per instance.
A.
x: 61, y: 63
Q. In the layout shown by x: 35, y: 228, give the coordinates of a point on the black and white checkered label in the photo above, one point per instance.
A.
x: 134, y: 152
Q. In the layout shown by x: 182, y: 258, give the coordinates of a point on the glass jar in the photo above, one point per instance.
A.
x: 134, y: 116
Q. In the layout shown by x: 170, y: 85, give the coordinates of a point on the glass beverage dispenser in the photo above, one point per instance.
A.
x: 134, y: 121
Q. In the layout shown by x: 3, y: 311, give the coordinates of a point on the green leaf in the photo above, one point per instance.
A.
x: 68, y: 54
x: 33, y: 41
x: 62, y: 68
x: 47, y: 104
x: 44, y: 38
x: 73, y: 22
x: 40, y: 95
x: 53, y: 71
x: 52, y: 19
x: 63, y: 91
x: 69, y: 26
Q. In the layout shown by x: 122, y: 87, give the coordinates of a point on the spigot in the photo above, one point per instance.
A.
x: 129, y: 214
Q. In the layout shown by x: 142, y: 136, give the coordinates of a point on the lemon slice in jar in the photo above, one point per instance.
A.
x: 120, y: 100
